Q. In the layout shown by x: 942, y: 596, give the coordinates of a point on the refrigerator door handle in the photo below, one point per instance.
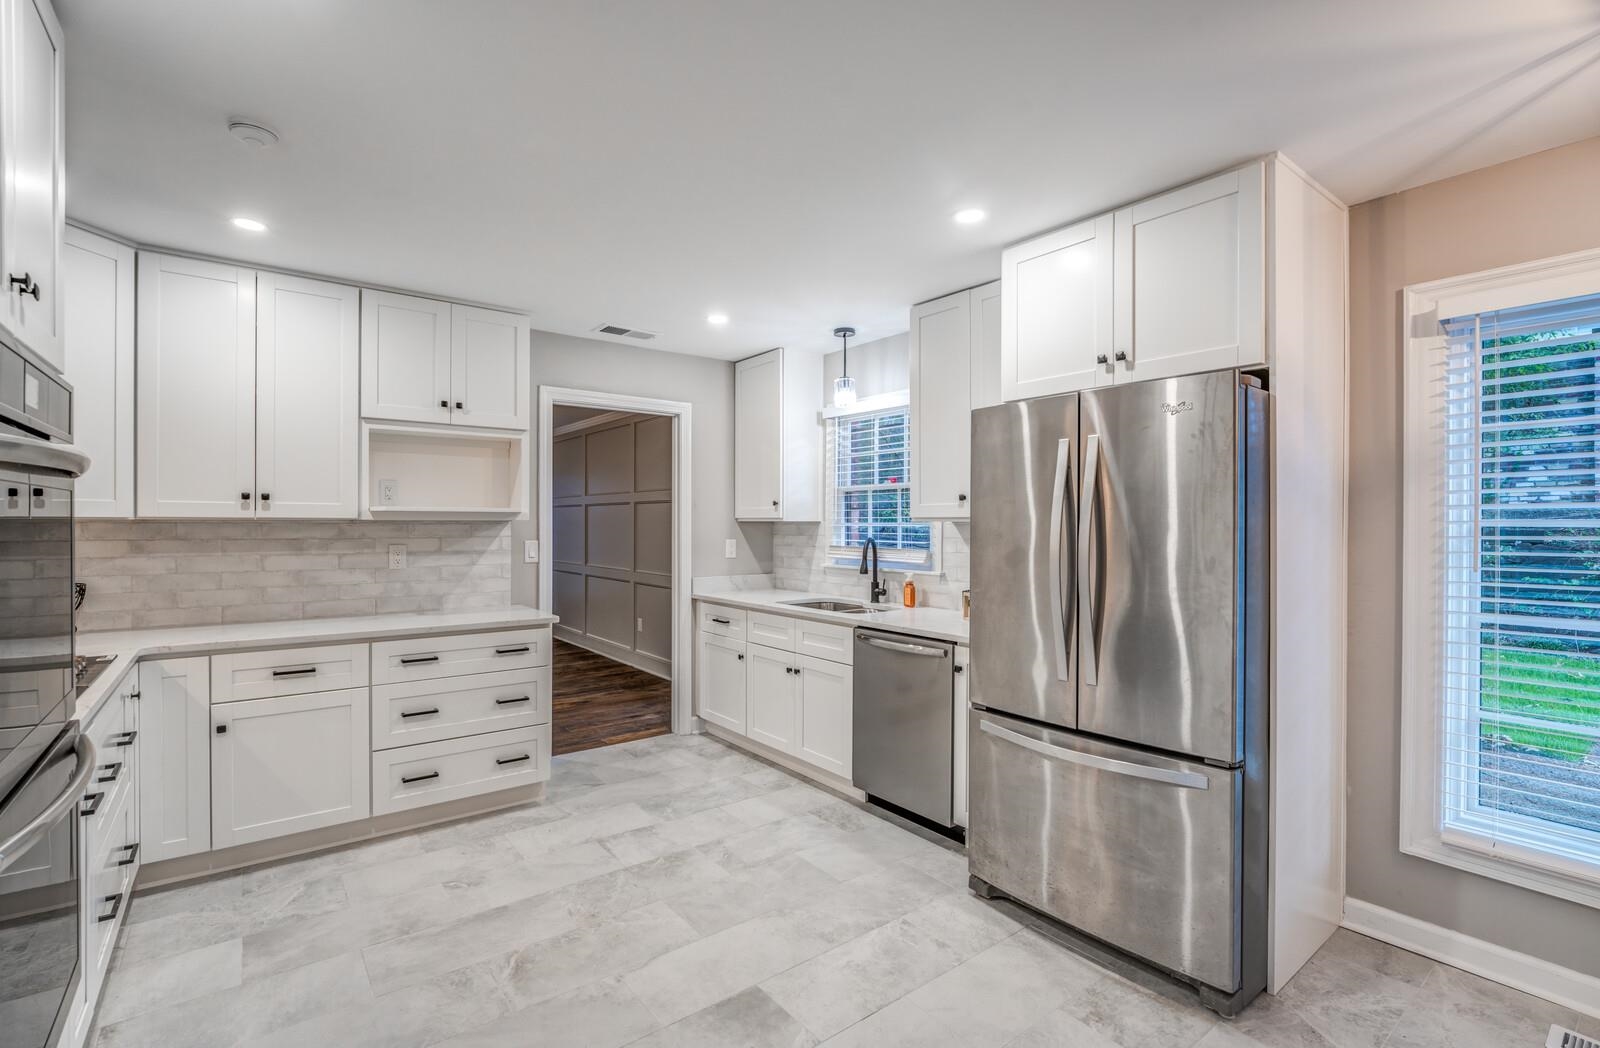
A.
x: 1058, y: 512
x: 1189, y: 780
x: 1091, y: 486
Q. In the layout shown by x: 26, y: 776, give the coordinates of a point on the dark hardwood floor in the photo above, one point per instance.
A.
x: 599, y: 702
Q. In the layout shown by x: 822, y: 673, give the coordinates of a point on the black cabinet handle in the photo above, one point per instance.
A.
x: 444, y: 403
x: 722, y: 622
x: 133, y: 854
x: 38, y: 493
x: 1101, y: 358
x: 266, y: 496
x: 513, y: 760
x: 417, y: 660
x: 26, y: 285
x: 134, y: 696
x: 124, y: 739
x: 960, y: 669
x: 774, y: 503
x: 1122, y: 355
x: 523, y: 650
x: 116, y: 908
x: 962, y: 497
x: 222, y: 729
x: 303, y: 671
x: 512, y: 702
x: 12, y: 493
x: 420, y: 713
x: 91, y: 803
x: 460, y: 406
x: 109, y: 772
x: 741, y: 656
x: 244, y: 496
x: 407, y: 780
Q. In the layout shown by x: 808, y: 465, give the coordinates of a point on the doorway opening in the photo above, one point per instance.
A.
x: 613, y: 518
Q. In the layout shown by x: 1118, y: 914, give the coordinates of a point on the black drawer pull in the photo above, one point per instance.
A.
x: 722, y: 622
x: 522, y: 650
x: 513, y: 702
x: 133, y: 854
x: 417, y: 660
x: 513, y: 760
x: 109, y: 772
x: 959, y: 669
x: 116, y: 908
x: 407, y: 780
x: 123, y: 739
x: 304, y: 671
x: 420, y: 713
x: 91, y: 803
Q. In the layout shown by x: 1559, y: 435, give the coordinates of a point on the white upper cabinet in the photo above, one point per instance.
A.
x: 1190, y: 285
x: 308, y: 360
x: 32, y: 170
x: 97, y: 278
x: 777, y: 437
x: 196, y: 388
x: 489, y: 382
x: 1056, y: 311
x: 954, y: 369
x: 429, y: 361
x: 405, y: 357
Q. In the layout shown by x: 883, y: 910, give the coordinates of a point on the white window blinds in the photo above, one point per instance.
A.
x: 872, y: 487
x: 1519, y: 677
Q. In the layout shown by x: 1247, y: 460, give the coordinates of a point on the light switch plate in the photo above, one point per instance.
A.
x: 530, y: 551
x: 397, y: 555
x: 730, y: 549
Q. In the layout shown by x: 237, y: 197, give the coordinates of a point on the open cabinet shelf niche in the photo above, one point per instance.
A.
x: 437, y: 473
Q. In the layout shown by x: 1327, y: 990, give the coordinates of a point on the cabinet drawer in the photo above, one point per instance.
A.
x: 722, y: 622
x: 109, y: 722
x: 428, y: 658
x: 416, y: 776
x: 428, y: 711
x: 287, y: 671
x: 775, y: 631
x: 108, y: 877
x: 824, y: 640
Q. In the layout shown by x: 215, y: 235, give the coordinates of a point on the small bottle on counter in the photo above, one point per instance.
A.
x: 966, y: 604
x: 908, y: 593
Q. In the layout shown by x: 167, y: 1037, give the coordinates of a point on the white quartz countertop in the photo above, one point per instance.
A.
x: 933, y: 623
x: 129, y: 646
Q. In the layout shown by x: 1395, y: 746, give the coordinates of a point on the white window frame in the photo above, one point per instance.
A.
x: 1422, y: 721
x: 842, y: 558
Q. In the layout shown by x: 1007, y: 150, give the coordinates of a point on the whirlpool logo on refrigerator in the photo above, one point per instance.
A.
x: 1173, y: 409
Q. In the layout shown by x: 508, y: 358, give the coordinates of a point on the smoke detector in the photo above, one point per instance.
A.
x: 253, y: 135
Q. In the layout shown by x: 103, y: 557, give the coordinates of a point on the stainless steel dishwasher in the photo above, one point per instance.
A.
x: 903, y: 725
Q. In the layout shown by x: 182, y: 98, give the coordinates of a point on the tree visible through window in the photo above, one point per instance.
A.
x: 1521, y: 739
x: 872, y: 488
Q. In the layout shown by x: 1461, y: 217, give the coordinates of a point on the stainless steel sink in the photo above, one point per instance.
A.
x: 849, y: 607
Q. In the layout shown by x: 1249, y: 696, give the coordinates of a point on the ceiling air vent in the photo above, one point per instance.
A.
x: 616, y: 329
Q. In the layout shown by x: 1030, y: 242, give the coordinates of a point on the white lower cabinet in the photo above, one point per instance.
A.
x: 431, y: 711
x: 287, y: 764
x: 416, y: 776
x: 175, y: 789
x: 823, y: 714
x: 771, y: 697
x: 720, y: 682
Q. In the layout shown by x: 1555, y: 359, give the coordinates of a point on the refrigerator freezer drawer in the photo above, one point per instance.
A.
x: 1140, y: 851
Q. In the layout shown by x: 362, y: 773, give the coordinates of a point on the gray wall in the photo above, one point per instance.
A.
x: 1536, y: 207
x: 588, y: 364
x: 880, y: 366
x: 611, y: 541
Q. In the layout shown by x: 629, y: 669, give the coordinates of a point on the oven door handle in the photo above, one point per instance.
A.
x: 14, y: 846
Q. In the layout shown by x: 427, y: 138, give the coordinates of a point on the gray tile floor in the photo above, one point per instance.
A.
x: 675, y: 891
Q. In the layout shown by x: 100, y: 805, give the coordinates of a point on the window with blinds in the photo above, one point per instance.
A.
x: 871, y: 463
x: 1519, y: 682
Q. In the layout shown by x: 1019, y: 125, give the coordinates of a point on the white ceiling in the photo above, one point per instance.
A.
x: 794, y: 165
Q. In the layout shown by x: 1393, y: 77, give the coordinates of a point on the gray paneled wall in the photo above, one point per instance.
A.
x: 150, y: 573
x: 611, y: 518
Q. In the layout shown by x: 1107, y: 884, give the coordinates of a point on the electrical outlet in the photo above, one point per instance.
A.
x: 730, y: 549
x: 530, y: 551
x: 387, y: 492
x: 397, y: 555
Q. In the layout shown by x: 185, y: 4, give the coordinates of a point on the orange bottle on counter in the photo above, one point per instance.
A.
x: 908, y: 593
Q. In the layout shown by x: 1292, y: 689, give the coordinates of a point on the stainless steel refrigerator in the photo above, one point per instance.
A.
x: 1118, y: 738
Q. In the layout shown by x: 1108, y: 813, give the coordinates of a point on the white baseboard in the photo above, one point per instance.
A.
x: 1521, y: 971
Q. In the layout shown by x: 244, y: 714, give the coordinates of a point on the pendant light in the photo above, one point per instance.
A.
x: 844, y: 387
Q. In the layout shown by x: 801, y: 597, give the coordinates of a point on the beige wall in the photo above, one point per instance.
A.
x: 1542, y: 205
x: 588, y: 364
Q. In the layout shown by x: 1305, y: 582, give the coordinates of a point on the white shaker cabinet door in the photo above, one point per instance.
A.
x: 771, y: 693
x: 1190, y: 284
x: 175, y: 758
x: 405, y: 357
x: 941, y: 407
x: 489, y: 383
x: 758, y: 437
x: 1056, y: 312
x: 986, y: 306
x: 720, y: 683
x: 823, y: 725
x: 196, y: 388
x: 308, y: 359
x: 98, y: 274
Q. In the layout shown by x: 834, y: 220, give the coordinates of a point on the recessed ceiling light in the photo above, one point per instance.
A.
x: 968, y: 216
x: 251, y: 225
x: 716, y: 319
